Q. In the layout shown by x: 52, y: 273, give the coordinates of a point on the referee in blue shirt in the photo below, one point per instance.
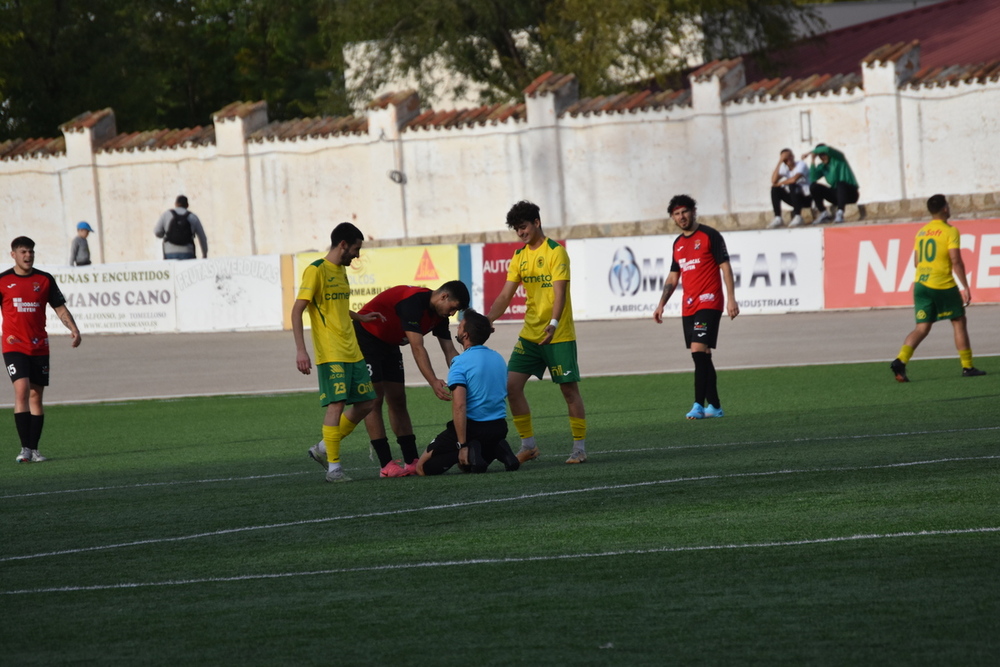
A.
x: 475, y: 437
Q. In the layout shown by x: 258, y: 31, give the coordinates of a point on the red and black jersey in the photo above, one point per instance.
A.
x: 22, y: 302
x: 697, y: 258
x: 406, y: 308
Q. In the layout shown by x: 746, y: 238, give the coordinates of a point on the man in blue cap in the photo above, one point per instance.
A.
x: 79, y: 251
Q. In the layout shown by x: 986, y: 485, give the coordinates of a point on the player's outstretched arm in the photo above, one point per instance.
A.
x: 423, y: 360
x: 732, y: 307
x: 500, y: 304
x: 67, y: 319
x: 669, y: 285
x: 302, y: 361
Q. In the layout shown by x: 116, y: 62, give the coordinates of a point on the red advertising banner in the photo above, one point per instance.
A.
x: 496, y: 261
x: 872, y: 266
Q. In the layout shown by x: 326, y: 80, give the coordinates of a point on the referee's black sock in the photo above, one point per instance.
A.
x: 37, y: 421
x: 408, y: 445
x: 701, y: 363
x: 381, y: 447
x: 22, y: 420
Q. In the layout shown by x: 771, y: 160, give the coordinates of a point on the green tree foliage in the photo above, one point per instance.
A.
x: 159, y: 63
x: 504, y: 44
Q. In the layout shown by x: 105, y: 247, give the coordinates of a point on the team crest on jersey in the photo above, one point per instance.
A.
x: 697, y: 245
x: 37, y: 287
x: 541, y: 262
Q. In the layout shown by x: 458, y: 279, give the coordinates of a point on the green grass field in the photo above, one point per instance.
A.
x: 832, y: 517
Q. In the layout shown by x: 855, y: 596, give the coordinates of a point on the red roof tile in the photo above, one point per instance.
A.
x: 86, y: 119
x: 301, y: 128
x: 239, y: 110
x: 951, y: 32
x: 32, y: 148
x: 453, y: 118
x: 160, y: 139
x: 643, y: 100
x: 549, y: 82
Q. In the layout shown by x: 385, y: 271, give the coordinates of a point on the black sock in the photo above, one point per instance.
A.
x: 408, y: 445
x: 712, y: 386
x: 701, y: 362
x: 22, y: 420
x: 381, y: 447
x: 37, y: 421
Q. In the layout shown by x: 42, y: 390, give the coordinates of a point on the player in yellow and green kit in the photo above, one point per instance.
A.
x: 343, y: 374
x: 938, y: 260
x: 548, y: 338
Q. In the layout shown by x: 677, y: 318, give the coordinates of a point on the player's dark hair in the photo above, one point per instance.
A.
x: 787, y: 150
x: 477, y: 326
x: 345, y: 231
x: 936, y: 204
x: 181, y: 201
x: 457, y: 291
x: 22, y: 242
x: 681, y: 200
x: 522, y: 211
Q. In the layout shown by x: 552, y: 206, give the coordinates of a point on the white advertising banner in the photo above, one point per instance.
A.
x: 133, y: 297
x: 227, y: 294
x: 776, y: 271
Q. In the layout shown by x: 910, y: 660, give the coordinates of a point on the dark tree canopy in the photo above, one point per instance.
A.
x: 172, y: 63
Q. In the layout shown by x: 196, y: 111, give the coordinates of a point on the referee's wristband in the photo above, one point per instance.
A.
x: 460, y: 445
x: 553, y: 322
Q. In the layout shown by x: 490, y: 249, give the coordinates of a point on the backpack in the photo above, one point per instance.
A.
x: 179, y: 229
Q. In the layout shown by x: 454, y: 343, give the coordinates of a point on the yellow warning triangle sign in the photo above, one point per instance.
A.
x: 426, y: 270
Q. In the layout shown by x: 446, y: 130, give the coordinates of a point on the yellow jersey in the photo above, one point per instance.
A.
x: 326, y: 288
x: 932, y: 244
x: 537, y: 270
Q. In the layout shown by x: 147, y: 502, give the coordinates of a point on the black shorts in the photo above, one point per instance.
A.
x: 21, y: 365
x: 702, y: 327
x: 444, y: 447
x: 385, y: 361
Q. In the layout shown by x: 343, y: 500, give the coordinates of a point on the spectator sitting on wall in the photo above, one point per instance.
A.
x: 177, y: 227
x: 79, y: 250
x: 843, y: 187
x: 789, y: 184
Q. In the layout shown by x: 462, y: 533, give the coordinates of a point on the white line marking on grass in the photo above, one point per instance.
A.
x: 507, y: 560
x: 485, y: 501
x: 607, y: 451
x: 143, y: 485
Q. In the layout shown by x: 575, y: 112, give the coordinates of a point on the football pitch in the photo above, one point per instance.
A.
x: 832, y: 516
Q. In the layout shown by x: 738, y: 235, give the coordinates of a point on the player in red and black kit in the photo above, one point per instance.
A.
x: 408, y: 314
x: 24, y: 291
x: 699, y: 256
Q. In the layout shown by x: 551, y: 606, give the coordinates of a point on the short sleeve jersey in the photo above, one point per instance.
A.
x: 326, y: 288
x: 697, y: 258
x: 483, y: 373
x: 537, y: 270
x: 22, y: 302
x: 406, y: 308
x: 931, y: 245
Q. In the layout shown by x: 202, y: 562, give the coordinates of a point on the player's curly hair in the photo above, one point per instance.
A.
x: 477, y: 326
x: 681, y: 200
x: 522, y: 211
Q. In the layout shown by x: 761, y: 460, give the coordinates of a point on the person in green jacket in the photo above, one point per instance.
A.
x: 843, y: 187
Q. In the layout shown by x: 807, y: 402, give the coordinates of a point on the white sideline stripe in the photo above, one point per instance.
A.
x: 486, y: 501
x: 507, y: 560
x: 607, y: 451
x: 413, y: 383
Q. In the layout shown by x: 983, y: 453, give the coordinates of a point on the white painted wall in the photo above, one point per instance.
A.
x: 273, y: 197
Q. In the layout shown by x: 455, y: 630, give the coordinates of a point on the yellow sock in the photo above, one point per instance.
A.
x: 331, y: 438
x: 578, y: 427
x: 966, y: 357
x: 906, y: 353
x: 523, y: 425
x: 346, y: 426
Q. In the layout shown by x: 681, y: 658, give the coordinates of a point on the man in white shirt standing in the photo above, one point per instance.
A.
x: 789, y: 184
